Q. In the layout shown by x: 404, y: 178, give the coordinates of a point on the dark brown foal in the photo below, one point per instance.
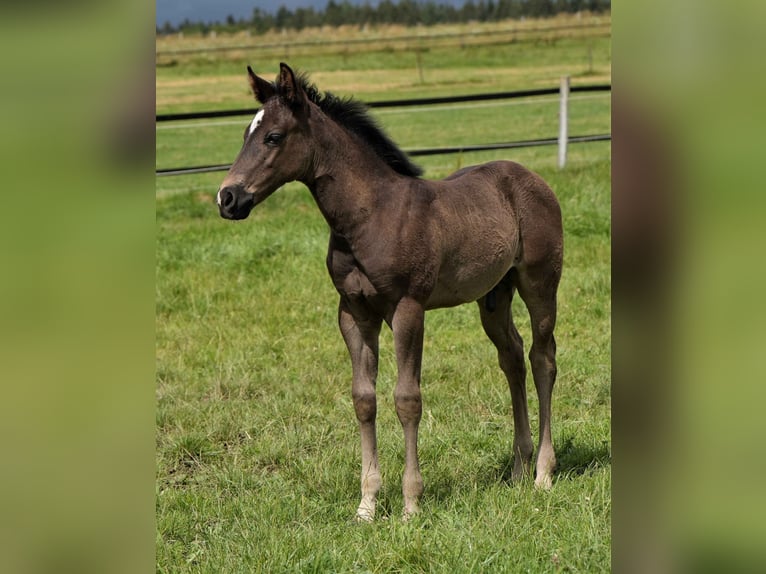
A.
x: 400, y: 245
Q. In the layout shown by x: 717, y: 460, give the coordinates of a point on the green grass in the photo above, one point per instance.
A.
x: 257, y: 442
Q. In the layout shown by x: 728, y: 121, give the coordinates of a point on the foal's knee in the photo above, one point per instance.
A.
x: 409, y: 405
x: 365, y: 405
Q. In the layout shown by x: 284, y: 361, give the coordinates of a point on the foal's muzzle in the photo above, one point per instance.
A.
x: 234, y: 202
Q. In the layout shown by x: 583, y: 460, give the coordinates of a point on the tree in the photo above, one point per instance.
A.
x: 540, y: 8
x: 262, y: 21
x: 332, y: 14
x: 167, y: 28
x: 386, y: 12
x: 284, y: 17
x: 305, y: 18
x: 469, y: 12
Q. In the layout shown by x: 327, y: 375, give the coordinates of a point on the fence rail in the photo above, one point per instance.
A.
x: 414, y: 102
x: 398, y: 103
x: 419, y: 152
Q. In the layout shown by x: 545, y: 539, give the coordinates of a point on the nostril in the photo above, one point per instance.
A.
x: 234, y: 201
x: 226, y: 198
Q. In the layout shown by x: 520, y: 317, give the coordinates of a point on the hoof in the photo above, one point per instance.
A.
x: 409, y: 513
x: 544, y: 482
x: 365, y: 513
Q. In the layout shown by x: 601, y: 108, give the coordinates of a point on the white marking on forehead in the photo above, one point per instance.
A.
x: 256, y: 121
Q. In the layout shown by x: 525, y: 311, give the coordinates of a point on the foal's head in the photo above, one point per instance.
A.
x: 280, y: 146
x: 276, y: 147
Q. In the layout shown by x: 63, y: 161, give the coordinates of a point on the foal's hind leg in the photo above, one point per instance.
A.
x: 537, y: 287
x: 361, y: 337
x: 499, y: 327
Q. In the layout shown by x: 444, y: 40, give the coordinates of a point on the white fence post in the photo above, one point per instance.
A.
x: 563, y: 120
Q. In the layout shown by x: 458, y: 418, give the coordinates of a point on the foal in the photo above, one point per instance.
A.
x: 400, y: 245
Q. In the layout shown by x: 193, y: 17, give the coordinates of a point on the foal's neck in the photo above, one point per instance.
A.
x: 347, y: 177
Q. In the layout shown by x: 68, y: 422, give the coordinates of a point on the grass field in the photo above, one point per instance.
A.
x: 257, y: 443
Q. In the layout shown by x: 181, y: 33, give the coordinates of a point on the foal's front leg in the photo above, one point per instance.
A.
x: 361, y: 337
x: 407, y: 325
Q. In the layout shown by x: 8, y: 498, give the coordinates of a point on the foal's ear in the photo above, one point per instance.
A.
x: 262, y: 90
x: 291, y: 88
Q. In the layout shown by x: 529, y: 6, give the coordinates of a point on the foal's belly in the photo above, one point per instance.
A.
x: 478, y: 240
x: 456, y: 286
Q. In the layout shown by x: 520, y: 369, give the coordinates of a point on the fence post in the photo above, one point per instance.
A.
x: 563, y: 120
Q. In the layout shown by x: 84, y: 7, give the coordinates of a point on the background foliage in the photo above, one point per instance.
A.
x: 405, y: 12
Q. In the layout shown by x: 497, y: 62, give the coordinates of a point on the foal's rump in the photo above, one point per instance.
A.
x: 538, y: 216
x: 485, y: 215
x: 535, y: 210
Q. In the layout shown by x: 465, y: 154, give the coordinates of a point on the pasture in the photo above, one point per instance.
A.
x: 257, y: 442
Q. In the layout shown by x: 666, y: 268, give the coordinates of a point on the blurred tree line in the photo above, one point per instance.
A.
x: 407, y: 12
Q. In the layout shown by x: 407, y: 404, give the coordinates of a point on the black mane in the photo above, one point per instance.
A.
x: 354, y: 116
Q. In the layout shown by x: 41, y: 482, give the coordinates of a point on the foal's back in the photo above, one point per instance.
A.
x: 515, y: 183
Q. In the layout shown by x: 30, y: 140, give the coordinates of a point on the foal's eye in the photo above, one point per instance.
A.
x: 273, y: 139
